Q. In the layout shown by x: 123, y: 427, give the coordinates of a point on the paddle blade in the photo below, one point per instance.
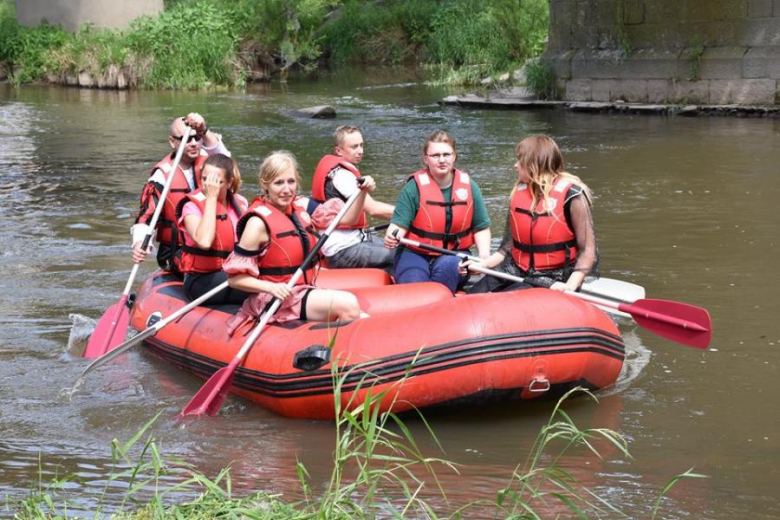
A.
x: 110, y: 331
x: 680, y: 322
x: 612, y: 289
x: 210, y: 397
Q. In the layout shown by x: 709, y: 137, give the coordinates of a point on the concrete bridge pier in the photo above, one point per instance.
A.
x: 666, y: 51
x: 73, y: 14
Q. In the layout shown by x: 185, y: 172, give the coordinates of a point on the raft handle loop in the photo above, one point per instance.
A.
x: 311, y: 358
x: 541, y: 384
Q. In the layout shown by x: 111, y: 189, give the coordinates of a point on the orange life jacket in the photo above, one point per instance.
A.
x: 541, y: 238
x: 325, y: 166
x: 289, y: 243
x: 167, y: 232
x: 195, y: 259
x: 429, y: 224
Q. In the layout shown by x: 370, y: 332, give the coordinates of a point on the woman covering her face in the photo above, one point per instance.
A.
x: 207, y: 220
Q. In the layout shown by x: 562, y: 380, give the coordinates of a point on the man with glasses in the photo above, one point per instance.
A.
x: 186, y: 179
x: 336, y: 177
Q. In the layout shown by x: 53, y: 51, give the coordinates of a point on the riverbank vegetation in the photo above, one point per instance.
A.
x: 375, y: 457
x: 224, y: 43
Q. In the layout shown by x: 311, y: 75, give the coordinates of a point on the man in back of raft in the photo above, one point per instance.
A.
x: 186, y: 179
x: 336, y: 177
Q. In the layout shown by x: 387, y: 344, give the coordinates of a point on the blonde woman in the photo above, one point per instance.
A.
x: 275, y: 236
x: 549, y: 226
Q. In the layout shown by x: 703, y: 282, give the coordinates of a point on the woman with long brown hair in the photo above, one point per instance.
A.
x: 549, y: 226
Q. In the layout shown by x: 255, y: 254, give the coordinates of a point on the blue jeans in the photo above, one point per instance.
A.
x: 411, y: 267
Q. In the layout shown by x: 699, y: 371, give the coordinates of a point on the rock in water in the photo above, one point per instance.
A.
x: 318, y: 112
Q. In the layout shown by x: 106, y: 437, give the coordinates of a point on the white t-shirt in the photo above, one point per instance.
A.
x: 345, y: 183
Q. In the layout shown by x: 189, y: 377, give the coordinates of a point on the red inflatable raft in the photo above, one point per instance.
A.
x: 422, y: 344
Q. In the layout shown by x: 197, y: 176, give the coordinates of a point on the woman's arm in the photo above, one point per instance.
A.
x: 406, y: 207
x: 504, y: 249
x: 582, y: 222
x: 202, y: 229
x: 482, y: 240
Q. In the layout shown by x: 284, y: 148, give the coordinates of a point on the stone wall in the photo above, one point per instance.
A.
x: 73, y: 14
x: 666, y: 51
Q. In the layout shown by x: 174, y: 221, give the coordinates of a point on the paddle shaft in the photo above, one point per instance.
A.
x: 161, y: 203
x: 211, y: 395
x: 150, y: 331
x: 374, y: 229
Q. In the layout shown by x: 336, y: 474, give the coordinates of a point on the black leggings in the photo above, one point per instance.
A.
x: 492, y: 284
x: 198, y: 284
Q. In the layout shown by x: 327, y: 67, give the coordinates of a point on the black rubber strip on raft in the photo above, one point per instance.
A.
x: 303, y: 384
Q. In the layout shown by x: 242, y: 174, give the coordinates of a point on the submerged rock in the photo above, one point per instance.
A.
x: 318, y: 112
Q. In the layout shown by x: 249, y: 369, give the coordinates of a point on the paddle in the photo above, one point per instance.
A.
x: 680, y: 322
x: 212, y: 394
x: 609, y: 288
x: 149, y: 331
x: 374, y: 229
x: 111, y: 329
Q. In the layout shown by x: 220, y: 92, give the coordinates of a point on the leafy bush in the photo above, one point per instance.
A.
x: 89, y: 50
x: 197, y: 43
x: 471, y: 40
x: 287, y: 28
x: 382, y: 33
x: 26, y: 50
x: 190, y: 45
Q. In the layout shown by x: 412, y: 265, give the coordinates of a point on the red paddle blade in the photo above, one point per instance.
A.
x: 110, y: 331
x: 210, y: 397
x: 680, y: 322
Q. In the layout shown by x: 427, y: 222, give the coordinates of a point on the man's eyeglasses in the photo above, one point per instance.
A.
x: 439, y: 156
x: 193, y: 137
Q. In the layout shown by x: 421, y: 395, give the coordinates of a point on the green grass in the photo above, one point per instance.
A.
x: 210, y: 43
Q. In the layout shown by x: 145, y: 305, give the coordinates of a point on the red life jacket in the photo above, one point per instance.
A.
x: 167, y: 231
x: 289, y: 245
x: 541, y: 238
x: 429, y: 225
x: 195, y: 259
x: 325, y: 166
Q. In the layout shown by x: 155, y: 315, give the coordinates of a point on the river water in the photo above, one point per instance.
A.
x: 685, y: 208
